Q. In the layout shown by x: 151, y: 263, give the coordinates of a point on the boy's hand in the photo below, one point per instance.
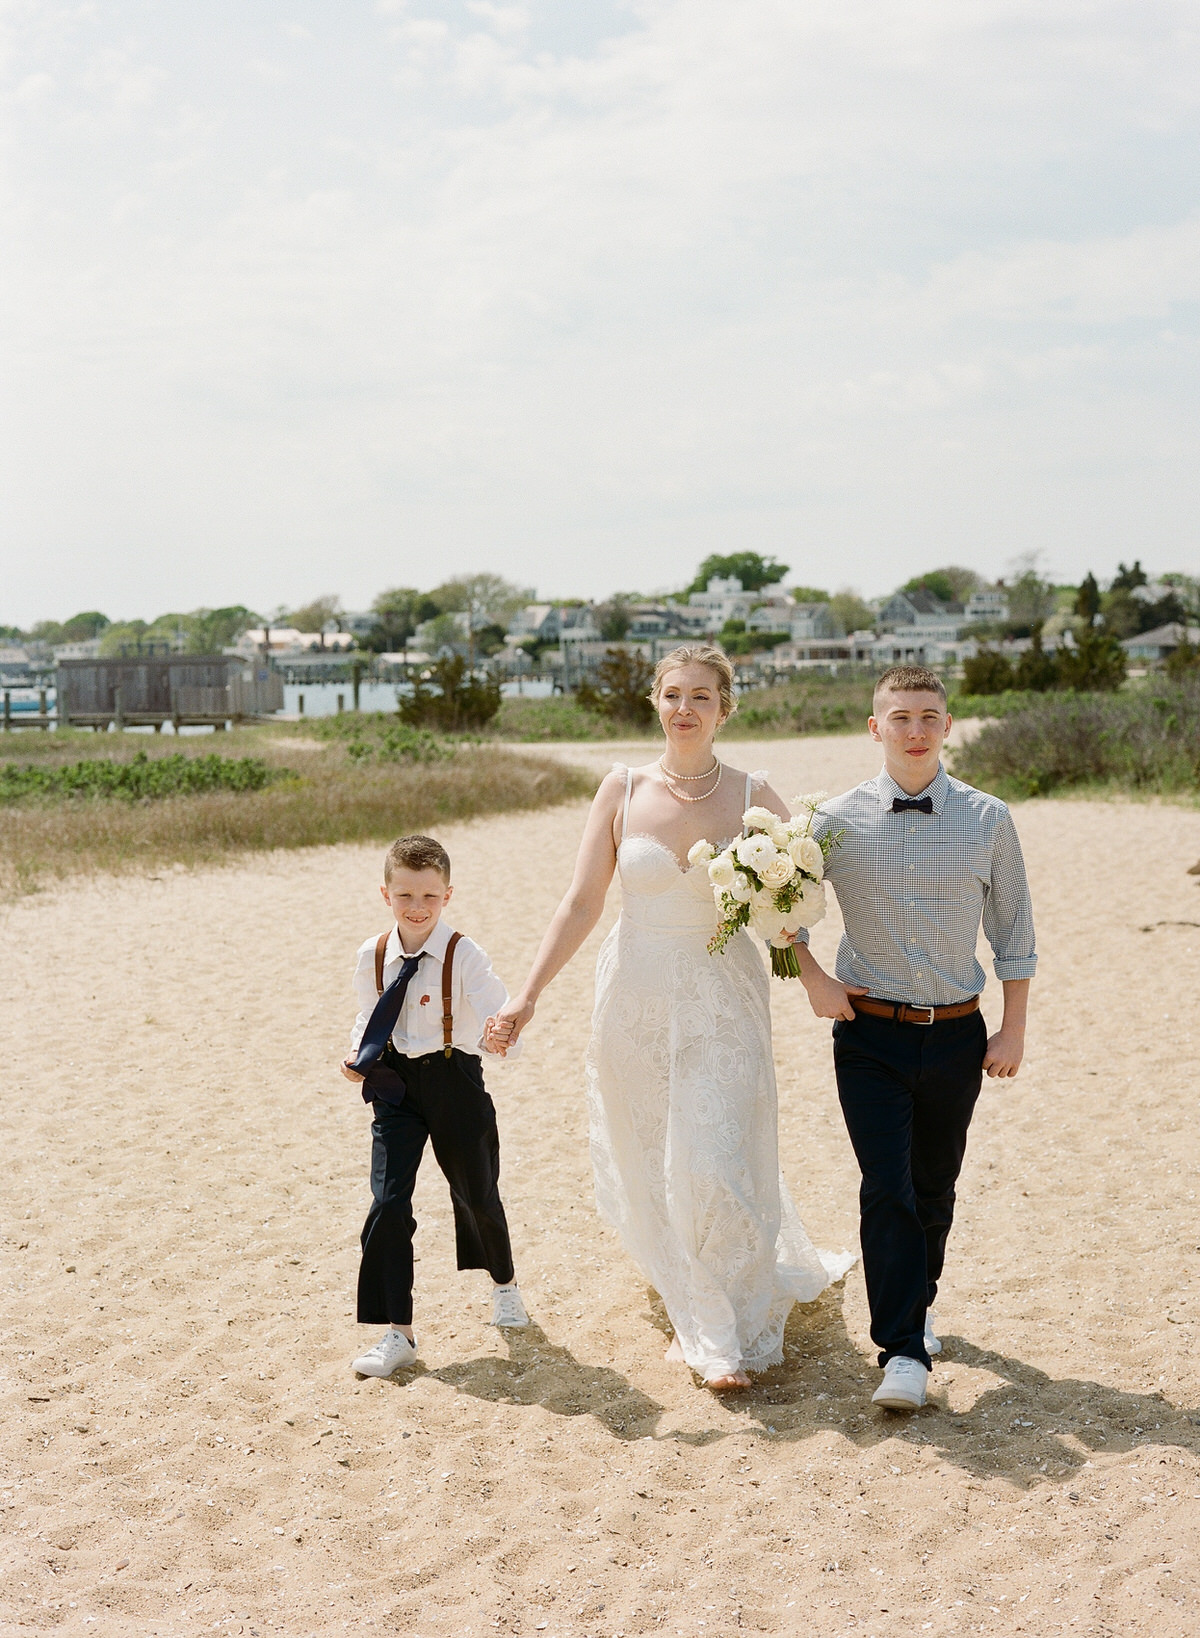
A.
x: 511, y: 1020
x: 350, y: 1072
x: 495, y: 1040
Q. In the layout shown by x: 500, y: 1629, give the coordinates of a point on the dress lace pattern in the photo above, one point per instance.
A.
x: 683, y: 1121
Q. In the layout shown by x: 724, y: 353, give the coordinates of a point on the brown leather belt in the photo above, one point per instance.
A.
x: 901, y: 1013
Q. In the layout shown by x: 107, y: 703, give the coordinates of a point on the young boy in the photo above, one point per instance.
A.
x: 922, y: 860
x: 416, y: 1050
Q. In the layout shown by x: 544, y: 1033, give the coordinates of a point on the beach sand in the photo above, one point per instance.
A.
x: 185, y: 1449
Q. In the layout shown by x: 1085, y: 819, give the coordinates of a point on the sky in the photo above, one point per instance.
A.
x: 314, y: 298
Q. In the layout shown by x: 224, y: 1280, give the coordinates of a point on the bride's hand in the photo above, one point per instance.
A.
x: 508, y: 1023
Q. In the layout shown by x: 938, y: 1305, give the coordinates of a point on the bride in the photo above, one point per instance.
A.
x: 680, y: 1077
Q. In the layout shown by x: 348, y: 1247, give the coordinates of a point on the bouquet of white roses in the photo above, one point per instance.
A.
x: 770, y: 880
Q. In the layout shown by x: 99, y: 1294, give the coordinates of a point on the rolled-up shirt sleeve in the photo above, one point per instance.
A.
x: 1007, y: 910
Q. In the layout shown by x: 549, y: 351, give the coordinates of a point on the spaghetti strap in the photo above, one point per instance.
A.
x: 749, y: 783
x: 625, y: 809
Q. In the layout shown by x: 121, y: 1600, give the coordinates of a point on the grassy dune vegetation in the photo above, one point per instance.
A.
x: 313, y: 791
x: 814, y: 704
x: 1140, y: 742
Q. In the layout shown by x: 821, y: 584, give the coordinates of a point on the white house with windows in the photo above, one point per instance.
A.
x: 724, y: 599
x: 987, y: 606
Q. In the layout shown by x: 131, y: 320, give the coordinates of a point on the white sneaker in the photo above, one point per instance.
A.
x: 507, y: 1306
x: 903, y: 1385
x: 933, y: 1343
x: 391, y: 1352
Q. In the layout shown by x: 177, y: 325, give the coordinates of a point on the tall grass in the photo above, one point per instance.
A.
x: 1144, y: 742
x: 328, y: 799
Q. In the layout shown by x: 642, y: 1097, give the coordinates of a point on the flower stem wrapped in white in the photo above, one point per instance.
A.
x: 769, y: 880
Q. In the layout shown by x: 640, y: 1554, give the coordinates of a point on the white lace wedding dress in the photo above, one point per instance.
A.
x: 682, y: 1107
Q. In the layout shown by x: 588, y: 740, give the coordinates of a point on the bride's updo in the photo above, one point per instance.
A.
x: 705, y: 654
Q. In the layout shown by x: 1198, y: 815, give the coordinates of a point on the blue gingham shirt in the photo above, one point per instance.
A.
x: 913, y: 888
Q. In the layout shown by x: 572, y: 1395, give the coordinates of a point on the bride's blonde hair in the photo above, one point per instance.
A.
x: 705, y: 654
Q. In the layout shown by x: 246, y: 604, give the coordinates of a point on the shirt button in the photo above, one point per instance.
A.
x: 912, y: 867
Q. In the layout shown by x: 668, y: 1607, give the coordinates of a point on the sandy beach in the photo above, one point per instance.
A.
x: 185, y: 1449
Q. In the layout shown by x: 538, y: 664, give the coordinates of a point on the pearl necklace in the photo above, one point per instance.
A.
x: 682, y: 796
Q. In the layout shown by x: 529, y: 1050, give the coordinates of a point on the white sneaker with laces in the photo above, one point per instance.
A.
x: 391, y: 1352
x: 508, y: 1308
x: 903, y: 1385
x: 933, y: 1343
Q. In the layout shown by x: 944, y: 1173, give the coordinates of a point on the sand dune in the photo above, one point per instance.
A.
x: 185, y: 1449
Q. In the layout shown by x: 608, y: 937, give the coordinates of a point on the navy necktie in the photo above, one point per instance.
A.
x: 919, y: 804
x: 383, y: 1020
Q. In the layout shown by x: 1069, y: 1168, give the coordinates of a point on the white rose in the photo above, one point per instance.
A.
x: 767, y: 923
x: 760, y: 819
x: 700, y: 851
x: 740, y: 888
x: 805, y: 852
x: 754, y: 851
x: 777, y: 871
x: 811, y: 904
x: 721, y: 872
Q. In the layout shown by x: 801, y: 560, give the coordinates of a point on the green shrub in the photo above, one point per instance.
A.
x: 142, y: 779
x: 624, y: 680
x: 1140, y: 742
x: 451, y: 698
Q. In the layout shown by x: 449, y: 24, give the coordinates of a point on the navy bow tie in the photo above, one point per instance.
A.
x: 919, y: 804
x: 383, y: 1020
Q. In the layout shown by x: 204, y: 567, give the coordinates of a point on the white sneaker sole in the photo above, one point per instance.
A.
x: 890, y: 1399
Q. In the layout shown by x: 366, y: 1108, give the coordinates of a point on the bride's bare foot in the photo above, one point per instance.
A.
x: 674, y: 1352
x: 728, y: 1384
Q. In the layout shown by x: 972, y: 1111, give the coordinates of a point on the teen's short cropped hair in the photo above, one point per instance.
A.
x: 911, y: 679
x: 416, y: 853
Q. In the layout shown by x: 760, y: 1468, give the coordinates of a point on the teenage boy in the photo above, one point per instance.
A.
x: 425, y: 994
x: 922, y: 858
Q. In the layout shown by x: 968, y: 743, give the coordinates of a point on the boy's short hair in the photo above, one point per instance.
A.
x: 909, y: 679
x: 416, y: 853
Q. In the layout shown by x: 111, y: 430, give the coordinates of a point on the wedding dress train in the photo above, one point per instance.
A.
x: 683, y: 1119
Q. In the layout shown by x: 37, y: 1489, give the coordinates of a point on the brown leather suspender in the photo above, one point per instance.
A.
x: 447, y: 983
x: 447, y: 1012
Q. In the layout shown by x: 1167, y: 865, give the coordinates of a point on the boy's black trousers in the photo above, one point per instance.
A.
x: 446, y: 1103
x: 907, y: 1093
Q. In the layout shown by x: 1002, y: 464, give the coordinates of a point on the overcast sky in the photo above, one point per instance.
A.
x: 324, y: 298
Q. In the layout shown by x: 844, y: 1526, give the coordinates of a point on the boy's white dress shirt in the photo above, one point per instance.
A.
x: 476, y: 994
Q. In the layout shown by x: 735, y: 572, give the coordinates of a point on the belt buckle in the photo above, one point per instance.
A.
x: 924, y: 1022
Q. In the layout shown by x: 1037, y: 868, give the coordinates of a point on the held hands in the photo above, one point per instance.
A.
x: 502, y: 1031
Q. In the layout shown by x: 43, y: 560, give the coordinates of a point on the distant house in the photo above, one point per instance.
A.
x: 287, y: 640
x: 1153, y: 647
x: 810, y: 620
x: 89, y: 649
x: 547, y: 622
x: 774, y: 614
x: 987, y: 606
x: 723, y: 599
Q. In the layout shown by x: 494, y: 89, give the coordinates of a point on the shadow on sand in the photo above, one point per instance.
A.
x: 1029, y: 1428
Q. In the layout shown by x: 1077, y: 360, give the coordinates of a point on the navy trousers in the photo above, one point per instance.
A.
x: 907, y: 1092
x: 445, y: 1102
